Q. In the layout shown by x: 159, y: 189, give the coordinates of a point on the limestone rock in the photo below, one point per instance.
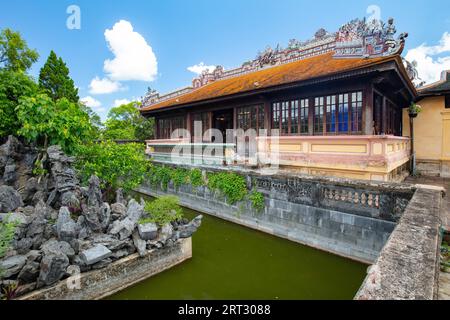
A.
x: 52, y: 269
x: 165, y: 233
x: 10, y: 199
x: 126, y: 226
x: 55, y: 247
x: 66, y: 228
x: 9, y: 175
x: 29, y: 272
x: 95, y: 254
x: 148, y: 231
x: 186, y: 231
x: 12, y: 265
x: 139, y: 244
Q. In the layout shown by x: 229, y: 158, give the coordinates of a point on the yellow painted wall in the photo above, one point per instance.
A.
x: 428, y: 128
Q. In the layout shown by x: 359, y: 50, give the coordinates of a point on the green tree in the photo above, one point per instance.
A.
x: 7, y: 230
x: 13, y: 86
x: 47, y: 122
x: 54, y: 79
x: 117, y: 166
x: 126, y: 122
x: 14, y: 52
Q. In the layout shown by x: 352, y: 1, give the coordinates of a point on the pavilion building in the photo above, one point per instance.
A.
x: 330, y: 106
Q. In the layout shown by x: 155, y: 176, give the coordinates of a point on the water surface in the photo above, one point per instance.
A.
x: 234, y: 262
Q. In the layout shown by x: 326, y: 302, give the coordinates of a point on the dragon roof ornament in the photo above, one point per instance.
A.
x: 356, y: 39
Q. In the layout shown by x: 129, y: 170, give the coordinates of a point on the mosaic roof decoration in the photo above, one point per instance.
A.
x: 356, y: 39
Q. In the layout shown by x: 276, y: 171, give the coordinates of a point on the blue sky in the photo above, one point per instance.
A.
x: 180, y: 34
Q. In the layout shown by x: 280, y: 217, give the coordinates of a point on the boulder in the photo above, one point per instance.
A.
x: 118, y: 209
x: 9, y: 175
x: 186, y: 231
x: 94, y: 192
x: 29, y: 272
x: 22, y: 246
x: 148, y: 231
x: 69, y: 199
x: 66, y: 228
x: 104, y: 215
x: 126, y: 226
x: 120, y: 198
x: 12, y: 265
x: 10, y: 199
x: 16, y: 217
x: 52, y: 269
x: 165, y: 233
x: 34, y: 255
x: 55, y: 247
x: 139, y: 244
x: 109, y: 241
x: 95, y: 254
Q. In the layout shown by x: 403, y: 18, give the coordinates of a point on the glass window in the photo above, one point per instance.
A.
x: 343, y: 113
x: 447, y: 101
x: 251, y: 117
x: 318, y: 115
x: 331, y: 114
x: 357, y: 111
x: 285, y: 117
x: 304, y: 114
x: 294, y: 117
x: 276, y: 116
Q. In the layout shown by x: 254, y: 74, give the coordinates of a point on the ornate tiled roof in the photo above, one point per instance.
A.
x: 357, y: 44
x: 439, y: 87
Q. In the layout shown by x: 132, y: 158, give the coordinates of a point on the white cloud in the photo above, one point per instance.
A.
x: 119, y: 102
x: 104, y: 86
x: 199, y: 68
x: 92, y: 103
x: 431, y: 60
x: 134, y: 58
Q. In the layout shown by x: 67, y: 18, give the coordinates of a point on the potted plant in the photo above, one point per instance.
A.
x: 414, y: 110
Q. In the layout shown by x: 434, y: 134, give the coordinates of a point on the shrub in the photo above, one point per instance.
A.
x: 116, y: 165
x: 162, y: 211
x: 257, y: 200
x: 231, y: 185
x: 196, y: 178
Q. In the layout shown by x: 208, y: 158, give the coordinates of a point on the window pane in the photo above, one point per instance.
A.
x: 304, y: 113
x: 285, y: 117
x: 261, y: 124
x: 343, y: 113
x: 294, y: 117
x: 331, y: 114
x: 357, y: 111
x: 276, y: 116
x: 318, y: 115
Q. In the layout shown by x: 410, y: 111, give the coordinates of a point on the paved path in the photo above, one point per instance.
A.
x: 444, y: 278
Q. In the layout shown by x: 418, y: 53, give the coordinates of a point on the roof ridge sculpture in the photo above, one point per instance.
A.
x: 355, y: 39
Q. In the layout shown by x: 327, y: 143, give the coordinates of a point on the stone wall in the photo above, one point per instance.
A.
x: 408, y: 265
x: 117, y: 276
x: 349, y: 218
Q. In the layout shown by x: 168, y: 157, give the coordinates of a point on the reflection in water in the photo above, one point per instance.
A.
x: 233, y: 262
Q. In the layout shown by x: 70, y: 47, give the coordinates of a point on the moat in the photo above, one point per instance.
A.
x: 234, y: 262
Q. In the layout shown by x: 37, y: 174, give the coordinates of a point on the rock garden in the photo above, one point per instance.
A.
x: 52, y: 227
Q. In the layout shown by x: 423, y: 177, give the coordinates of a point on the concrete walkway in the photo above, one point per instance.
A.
x: 444, y: 278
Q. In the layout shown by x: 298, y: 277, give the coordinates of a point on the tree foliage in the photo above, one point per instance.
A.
x: 13, y: 86
x: 14, y: 52
x: 117, y: 165
x: 54, y: 79
x: 162, y: 211
x: 126, y: 123
x: 47, y: 122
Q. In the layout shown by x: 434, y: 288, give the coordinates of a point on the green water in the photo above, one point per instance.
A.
x: 233, y: 262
